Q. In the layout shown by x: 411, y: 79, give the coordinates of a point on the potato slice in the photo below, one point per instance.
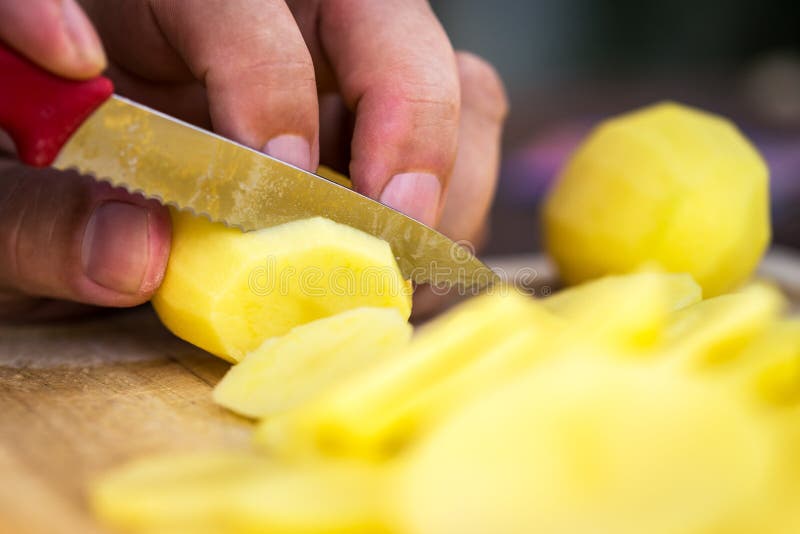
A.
x: 288, y: 371
x: 777, y: 379
x: 628, y: 311
x: 227, y: 291
x: 769, y: 367
x: 377, y: 411
x: 237, y: 492
x: 303, y: 435
x: 514, y: 354
x: 716, y: 330
x: 588, y: 443
x: 667, y: 183
x: 333, y: 176
x: 768, y: 372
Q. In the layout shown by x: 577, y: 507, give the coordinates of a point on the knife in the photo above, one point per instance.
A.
x: 83, y: 126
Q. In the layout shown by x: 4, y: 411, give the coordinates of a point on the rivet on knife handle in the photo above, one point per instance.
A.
x: 40, y: 110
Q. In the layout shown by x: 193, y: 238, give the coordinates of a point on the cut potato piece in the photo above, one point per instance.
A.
x: 587, y: 444
x: 333, y: 176
x: 288, y: 437
x: 291, y: 370
x: 514, y: 354
x: 717, y: 329
x: 780, y: 515
x: 627, y: 311
x: 227, y: 291
x: 294, y: 435
x: 241, y: 493
x: 666, y: 183
x: 379, y: 410
x: 769, y: 366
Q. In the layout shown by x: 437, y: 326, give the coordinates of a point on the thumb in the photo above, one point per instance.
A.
x: 56, y: 34
x: 68, y: 237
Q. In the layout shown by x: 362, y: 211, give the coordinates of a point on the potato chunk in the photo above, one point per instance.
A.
x: 227, y: 291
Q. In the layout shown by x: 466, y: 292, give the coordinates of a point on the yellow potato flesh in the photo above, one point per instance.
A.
x: 238, y: 492
x: 772, y: 364
x: 504, y: 415
x: 227, y: 291
x: 628, y: 311
x: 587, y: 445
x: 519, y: 414
x: 378, y: 410
x: 288, y: 371
x: 767, y: 371
x: 668, y: 184
x: 716, y: 329
x: 309, y: 431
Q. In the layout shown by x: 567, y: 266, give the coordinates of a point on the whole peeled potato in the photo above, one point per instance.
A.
x: 666, y: 184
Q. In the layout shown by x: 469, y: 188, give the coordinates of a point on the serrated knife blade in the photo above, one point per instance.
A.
x: 82, y: 125
x: 148, y: 152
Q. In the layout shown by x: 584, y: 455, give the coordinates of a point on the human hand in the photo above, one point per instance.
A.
x: 65, y: 240
x: 426, y: 121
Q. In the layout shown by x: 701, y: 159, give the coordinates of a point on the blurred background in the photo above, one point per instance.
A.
x: 569, y: 63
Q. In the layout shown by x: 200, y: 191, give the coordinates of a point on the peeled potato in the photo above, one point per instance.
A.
x: 237, y: 492
x: 768, y: 372
x: 628, y: 311
x: 227, y: 291
x: 378, y: 410
x: 587, y: 445
x: 717, y: 329
x: 175, y: 490
x: 769, y: 366
x: 668, y: 184
x: 778, y: 376
x: 288, y: 371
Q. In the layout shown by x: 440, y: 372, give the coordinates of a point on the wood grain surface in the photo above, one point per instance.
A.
x: 77, y: 398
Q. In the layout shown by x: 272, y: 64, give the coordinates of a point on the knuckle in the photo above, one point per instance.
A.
x: 481, y: 86
x: 256, y: 49
x: 39, y: 212
x: 280, y: 71
x: 438, y: 101
x: 17, y: 244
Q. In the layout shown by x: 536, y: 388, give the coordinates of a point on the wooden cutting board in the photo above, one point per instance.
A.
x: 77, y: 398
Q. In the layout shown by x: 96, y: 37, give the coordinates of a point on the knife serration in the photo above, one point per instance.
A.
x: 158, y: 156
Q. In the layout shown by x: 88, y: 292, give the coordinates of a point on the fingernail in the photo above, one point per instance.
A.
x: 414, y: 193
x: 290, y: 148
x: 84, y: 39
x: 116, y: 245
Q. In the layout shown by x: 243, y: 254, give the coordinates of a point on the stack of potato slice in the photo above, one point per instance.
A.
x: 624, y: 405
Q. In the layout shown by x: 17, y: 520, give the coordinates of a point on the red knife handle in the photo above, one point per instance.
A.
x: 40, y: 110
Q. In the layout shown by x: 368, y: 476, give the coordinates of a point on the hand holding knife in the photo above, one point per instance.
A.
x: 481, y: 111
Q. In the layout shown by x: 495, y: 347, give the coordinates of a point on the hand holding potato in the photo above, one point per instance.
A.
x: 287, y: 78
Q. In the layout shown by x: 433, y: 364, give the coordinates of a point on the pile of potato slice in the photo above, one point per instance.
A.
x: 622, y: 405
